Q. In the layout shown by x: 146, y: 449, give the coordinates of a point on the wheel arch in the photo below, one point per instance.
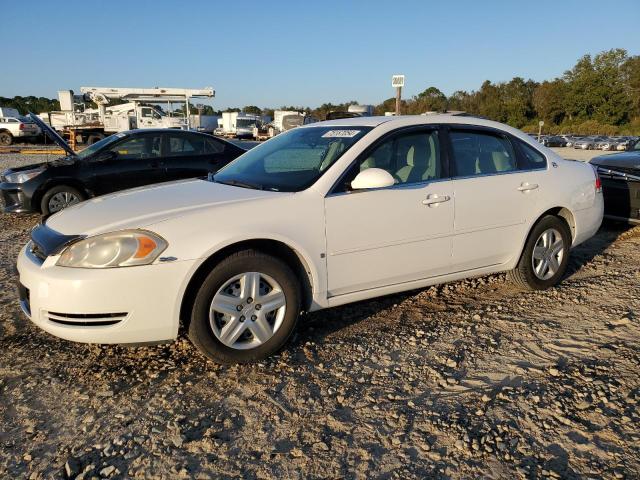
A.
x: 36, y: 198
x: 561, y: 212
x: 277, y: 248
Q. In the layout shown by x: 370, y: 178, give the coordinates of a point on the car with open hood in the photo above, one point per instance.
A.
x: 322, y: 215
x: 120, y: 161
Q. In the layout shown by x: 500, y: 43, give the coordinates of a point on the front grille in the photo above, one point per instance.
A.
x: 85, y: 319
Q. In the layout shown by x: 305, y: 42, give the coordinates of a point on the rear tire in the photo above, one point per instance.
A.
x: 6, y: 139
x: 59, y: 198
x: 246, y: 309
x: 545, y: 256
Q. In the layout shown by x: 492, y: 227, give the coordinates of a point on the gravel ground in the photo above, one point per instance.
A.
x: 471, y: 379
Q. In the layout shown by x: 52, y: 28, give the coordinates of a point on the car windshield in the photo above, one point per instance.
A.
x: 293, y: 160
x: 90, y: 150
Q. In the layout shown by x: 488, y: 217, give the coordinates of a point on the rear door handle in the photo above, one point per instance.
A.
x: 525, y: 187
x: 434, y: 199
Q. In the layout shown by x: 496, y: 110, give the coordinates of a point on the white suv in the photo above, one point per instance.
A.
x: 13, y: 127
x: 322, y: 215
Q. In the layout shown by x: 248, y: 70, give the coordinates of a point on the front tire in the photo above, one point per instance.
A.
x: 545, y: 256
x: 246, y: 309
x: 60, y: 197
x: 6, y: 139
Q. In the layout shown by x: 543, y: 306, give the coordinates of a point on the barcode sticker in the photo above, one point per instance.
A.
x: 341, y: 133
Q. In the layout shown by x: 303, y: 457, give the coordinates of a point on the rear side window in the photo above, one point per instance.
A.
x: 186, y: 145
x: 212, y: 145
x: 533, y: 158
x: 481, y: 153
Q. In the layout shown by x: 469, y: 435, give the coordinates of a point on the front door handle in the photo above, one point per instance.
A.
x: 434, y: 199
x: 525, y: 187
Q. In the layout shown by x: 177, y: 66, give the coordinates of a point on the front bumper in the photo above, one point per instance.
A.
x: 15, y: 199
x: 119, y: 305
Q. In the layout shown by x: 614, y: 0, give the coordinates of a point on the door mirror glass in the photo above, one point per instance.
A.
x: 372, y: 178
x: 105, y: 156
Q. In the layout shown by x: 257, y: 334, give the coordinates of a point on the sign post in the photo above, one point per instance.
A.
x: 397, y: 81
x: 540, y: 125
x: 200, y: 107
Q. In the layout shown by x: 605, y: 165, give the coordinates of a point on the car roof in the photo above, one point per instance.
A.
x: 410, y: 120
x: 162, y: 130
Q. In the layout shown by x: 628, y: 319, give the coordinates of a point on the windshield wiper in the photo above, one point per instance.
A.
x: 238, y: 183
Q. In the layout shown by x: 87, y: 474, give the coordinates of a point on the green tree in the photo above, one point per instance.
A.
x: 252, y: 109
x: 430, y: 100
x: 549, y: 99
x: 631, y: 79
x: 517, y: 100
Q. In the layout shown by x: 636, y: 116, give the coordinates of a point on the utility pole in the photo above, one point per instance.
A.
x: 397, y: 81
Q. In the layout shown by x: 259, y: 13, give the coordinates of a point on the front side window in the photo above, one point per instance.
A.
x: 480, y: 153
x: 293, y: 160
x: 143, y: 146
x: 409, y: 158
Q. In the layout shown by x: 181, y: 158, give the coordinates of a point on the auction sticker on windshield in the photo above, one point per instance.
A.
x: 341, y: 133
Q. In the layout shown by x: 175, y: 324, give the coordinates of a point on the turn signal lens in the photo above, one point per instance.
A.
x: 127, y: 248
x: 146, y: 245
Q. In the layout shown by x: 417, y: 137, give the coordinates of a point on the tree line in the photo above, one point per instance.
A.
x: 598, y: 95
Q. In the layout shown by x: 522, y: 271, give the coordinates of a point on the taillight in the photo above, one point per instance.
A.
x: 598, y: 183
x: 21, y: 126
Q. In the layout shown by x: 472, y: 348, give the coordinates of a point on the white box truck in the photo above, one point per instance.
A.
x: 239, y: 124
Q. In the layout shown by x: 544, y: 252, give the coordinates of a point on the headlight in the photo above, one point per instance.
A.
x: 118, y: 249
x: 21, y: 177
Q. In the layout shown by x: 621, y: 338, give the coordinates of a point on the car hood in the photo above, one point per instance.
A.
x: 44, y: 165
x: 142, y: 207
x: 620, y: 160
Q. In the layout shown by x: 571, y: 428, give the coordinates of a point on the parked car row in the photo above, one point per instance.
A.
x: 592, y: 142
x: 322, y: 215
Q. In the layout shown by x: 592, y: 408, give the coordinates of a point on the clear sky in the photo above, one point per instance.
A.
x: 303, y: 53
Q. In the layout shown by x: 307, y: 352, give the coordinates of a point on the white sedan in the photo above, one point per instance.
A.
x: 320, y: 216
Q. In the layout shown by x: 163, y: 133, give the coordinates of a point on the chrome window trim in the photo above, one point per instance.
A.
x: 609, y: 173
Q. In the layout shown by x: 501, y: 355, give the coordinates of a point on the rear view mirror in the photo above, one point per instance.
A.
x: 372, y: 178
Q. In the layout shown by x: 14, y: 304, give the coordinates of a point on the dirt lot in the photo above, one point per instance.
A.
x: 467, y: 380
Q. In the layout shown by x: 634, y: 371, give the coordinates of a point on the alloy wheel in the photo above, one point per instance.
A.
x: 62, y: 200
x: 548, y: 253
x: 247, y: 310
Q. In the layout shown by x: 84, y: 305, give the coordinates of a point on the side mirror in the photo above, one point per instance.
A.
x: 105, y: 156
x: 372, y: 178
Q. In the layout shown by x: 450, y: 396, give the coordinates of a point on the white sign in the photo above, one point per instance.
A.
x: 397, y: 81
x: 541, y: 123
